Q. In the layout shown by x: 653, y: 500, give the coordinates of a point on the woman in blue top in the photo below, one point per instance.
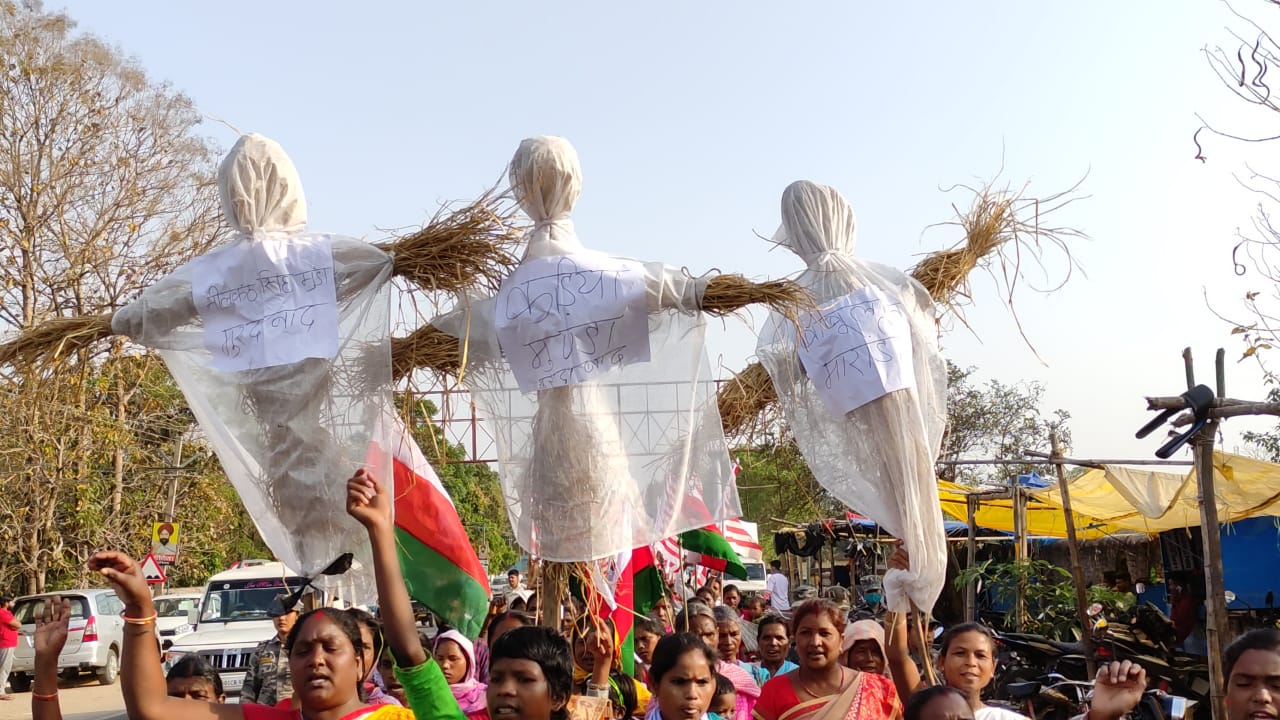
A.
x: 774, y: 641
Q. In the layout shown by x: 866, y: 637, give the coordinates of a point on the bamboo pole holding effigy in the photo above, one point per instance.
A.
x: 555, y: 586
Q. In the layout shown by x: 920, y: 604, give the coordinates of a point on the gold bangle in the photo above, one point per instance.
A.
x: 46, y: 698
x: 142, y: 620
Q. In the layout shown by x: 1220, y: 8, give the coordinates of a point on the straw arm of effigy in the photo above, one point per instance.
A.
x: 744, y: 398
x: 457, y: 250
x: 55, y: 339
x: 427, y: 347
x: 727, y: 294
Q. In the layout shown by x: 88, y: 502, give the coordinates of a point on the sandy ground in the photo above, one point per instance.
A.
x: 82, y: 700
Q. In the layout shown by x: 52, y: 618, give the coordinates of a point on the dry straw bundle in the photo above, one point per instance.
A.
x: 1003, y: 229
x: 726, y: 294
x: 743, y: 399
x: 470, y: 247
x: 55, y: 339
x: 426, y: 347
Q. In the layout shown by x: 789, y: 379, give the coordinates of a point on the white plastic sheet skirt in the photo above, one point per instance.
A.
x: 290, y: 436
x: 879, y: 458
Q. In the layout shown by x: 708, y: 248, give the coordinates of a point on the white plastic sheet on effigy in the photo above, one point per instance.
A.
x: 280, y: 343
x: 864, y: 389
x: 596, y: 382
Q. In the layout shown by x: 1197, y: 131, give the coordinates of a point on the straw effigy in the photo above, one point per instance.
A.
x: 470, y: 247
x: 998, y: 238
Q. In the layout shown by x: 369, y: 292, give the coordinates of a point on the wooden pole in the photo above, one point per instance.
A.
x: 1020, y: 552
x: 551, y: 593
x: 1077, y: 572
x: 971, y: 602
x: 1215, y: 625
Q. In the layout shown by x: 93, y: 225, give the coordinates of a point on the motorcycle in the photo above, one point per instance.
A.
x: 1024, y: 657
x: 1053, y: 697
x: 1050, y: 697
x: 1145, y: 636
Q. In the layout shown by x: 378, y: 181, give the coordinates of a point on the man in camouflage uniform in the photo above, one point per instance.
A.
x: 267, y: 680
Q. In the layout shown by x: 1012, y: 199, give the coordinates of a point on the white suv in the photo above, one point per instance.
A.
x: 234, y: 617
x: 95, y: 636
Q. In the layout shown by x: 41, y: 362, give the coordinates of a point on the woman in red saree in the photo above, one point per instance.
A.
x: 821, y: 688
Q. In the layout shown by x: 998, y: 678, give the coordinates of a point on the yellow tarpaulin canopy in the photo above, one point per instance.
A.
x: 1044, y: 519
x: 1153, y: 502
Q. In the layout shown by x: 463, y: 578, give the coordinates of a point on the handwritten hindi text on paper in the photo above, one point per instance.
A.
x: 567, y: 319
x: 856, y: 349
x: 265, y: 303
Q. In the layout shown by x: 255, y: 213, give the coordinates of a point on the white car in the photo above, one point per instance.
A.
x: 176, y: 615
x: 755, y: 582
x: 94, y: 638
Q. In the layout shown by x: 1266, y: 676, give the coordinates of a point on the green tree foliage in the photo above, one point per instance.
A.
x: 1265, y: 445
x: 1050, y: 596
x: 995, y: 420
x: 776, y: 484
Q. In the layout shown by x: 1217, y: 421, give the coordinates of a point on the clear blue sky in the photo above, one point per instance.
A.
x: 690, y: 119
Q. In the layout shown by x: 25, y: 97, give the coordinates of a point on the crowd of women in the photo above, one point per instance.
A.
x: 690, y: 664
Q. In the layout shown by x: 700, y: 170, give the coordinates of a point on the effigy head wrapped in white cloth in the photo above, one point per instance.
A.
x: 862, y: 385
x: 592, y: 371
x: 280, y: 342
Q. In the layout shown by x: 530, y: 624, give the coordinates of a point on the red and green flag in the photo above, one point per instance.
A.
x: 713, y: 551
x: 639, y: 588
x: 439, y: 564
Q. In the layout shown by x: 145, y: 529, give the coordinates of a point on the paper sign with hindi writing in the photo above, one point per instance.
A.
x: 268, y: 302
x: 857, y: 348
x: 567, y: 319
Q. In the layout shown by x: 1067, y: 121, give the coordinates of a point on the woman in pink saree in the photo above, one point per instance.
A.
x: 821, y: 688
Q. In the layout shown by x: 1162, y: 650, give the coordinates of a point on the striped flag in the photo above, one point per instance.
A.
x: 439, y: 564
x: 744, y: 538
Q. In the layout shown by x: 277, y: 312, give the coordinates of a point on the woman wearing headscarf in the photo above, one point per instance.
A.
x: 457, y: 659
x: 863, y: 647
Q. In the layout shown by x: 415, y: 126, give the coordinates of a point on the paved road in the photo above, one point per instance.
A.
x: 81, y: 700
